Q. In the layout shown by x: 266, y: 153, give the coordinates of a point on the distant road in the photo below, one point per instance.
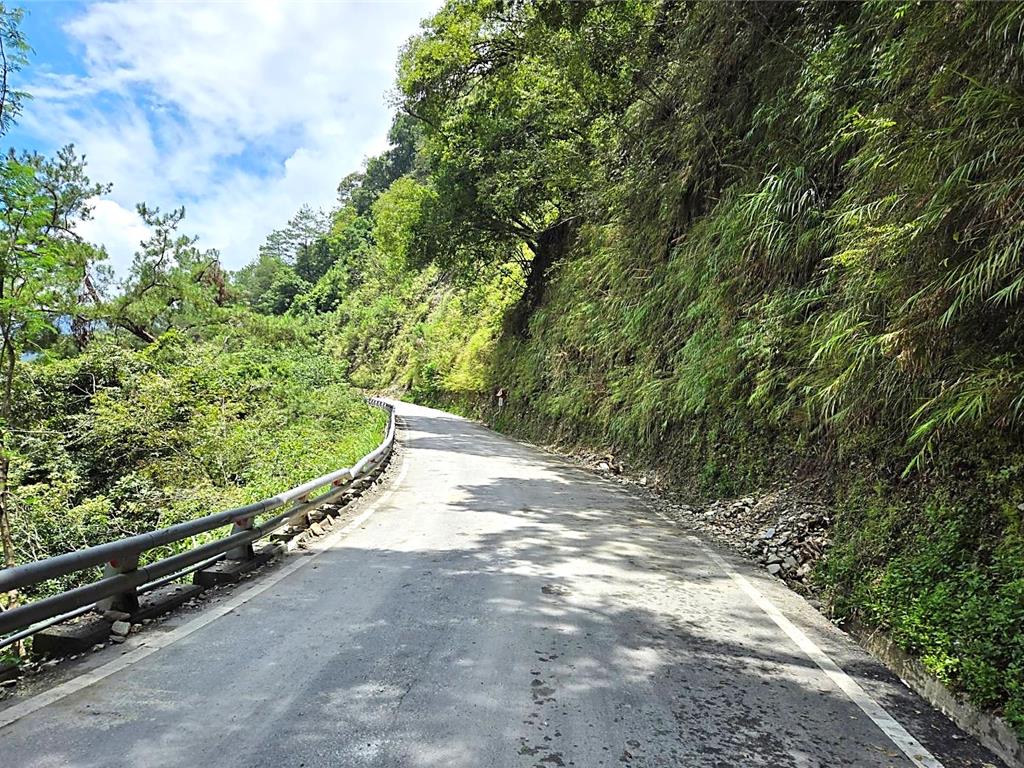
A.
x: 499, y: 607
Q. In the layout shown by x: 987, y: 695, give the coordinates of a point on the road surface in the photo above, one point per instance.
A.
x: 498, y: 607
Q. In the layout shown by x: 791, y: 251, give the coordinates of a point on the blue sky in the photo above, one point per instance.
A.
x: 240, y: 111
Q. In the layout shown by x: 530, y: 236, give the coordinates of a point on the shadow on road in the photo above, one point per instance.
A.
x: 534, y: 616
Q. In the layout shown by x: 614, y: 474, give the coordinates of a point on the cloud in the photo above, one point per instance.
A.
x: 118, y: 228
x: 241, y: 112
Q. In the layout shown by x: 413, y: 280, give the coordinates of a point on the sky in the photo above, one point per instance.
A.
x: 240, y: 111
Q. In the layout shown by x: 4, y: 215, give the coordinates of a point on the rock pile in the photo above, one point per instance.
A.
x: 781, y: 530
x: 787, y: 530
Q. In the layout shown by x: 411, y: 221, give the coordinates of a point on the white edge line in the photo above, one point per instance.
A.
x: 896, y: 733
x: 149, y: 646
x: 899, y: 736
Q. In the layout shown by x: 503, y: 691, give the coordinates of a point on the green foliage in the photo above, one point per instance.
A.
x: 269, y: 285
x: 172, y: 284
x: 416, y: 331
x: 301, y: 244
x: 940, y: 568
x: 42, y: 268
x: 42, y: 265
x: 510, y: 126
x: 359, y: 191
x: 395, y: 215
x: 14, y: 51
x: 116, y: 441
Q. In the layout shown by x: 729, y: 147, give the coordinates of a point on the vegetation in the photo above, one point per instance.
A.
x: 740, y: 241
x: 123, y: 440
x: 132, y: 405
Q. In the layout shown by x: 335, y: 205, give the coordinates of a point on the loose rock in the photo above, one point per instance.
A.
x: 120, y: 628
x: 786, y: 530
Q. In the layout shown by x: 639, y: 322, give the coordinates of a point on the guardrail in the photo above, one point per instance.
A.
x: 123, y: 579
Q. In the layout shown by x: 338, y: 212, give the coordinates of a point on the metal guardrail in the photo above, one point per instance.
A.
x: 123, y: 577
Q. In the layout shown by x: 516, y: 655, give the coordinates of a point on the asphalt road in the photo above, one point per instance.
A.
x: 499, y: 607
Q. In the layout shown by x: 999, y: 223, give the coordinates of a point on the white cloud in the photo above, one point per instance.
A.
x: 118, y: 228
x: 241, y: 112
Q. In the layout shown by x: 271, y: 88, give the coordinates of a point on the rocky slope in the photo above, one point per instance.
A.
x: 786, y: 529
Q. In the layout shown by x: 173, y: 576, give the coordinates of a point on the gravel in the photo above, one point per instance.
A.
x: 786, y: 529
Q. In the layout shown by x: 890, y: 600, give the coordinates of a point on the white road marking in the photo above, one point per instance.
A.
x: 910, y: 746
x: 896, y: 733
x: 149, y: 646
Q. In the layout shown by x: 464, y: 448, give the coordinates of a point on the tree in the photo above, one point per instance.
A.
x: 172, y: 283
x: 389, y: 166
x: 269, y: 285
x: 42, y: 262
x: 300, y: 243
x: 501, y: 133
x: 517, y: 102
x: 14, y: 52
x: 43, y: 265
x: 253, y: 282
x: 396, y: 214
x: 350, y: 243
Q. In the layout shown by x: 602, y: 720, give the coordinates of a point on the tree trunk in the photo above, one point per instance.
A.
x: 11, y: 598
x: 552, y: 245
x: 5, y: 523
x: 5, y: 460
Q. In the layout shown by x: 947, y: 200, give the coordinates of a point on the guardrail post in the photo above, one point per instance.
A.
x: 300, y: 520
x: 244, y: 552
x: 126, y: 602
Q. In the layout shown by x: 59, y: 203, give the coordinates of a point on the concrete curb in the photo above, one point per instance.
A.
x: 992, y: 731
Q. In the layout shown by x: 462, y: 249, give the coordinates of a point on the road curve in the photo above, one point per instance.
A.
x: 500, y: 607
